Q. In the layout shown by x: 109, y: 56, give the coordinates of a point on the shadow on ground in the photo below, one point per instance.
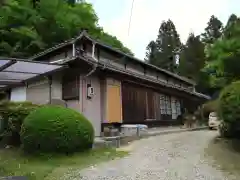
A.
x: 225, y: 155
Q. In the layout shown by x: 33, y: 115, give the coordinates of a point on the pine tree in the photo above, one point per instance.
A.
x: 213, y: 31
x: 151, y: 53
x: 228, y: 29
x: 192, y: 61
x: 192, y: 58
x: 163, y: 51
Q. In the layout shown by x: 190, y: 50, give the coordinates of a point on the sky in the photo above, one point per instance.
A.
x: 147, y: 15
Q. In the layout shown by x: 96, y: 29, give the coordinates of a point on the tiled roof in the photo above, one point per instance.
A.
x: 86, y: 35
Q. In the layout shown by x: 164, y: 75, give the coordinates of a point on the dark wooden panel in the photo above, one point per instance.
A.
x: 141, y: 104
x: 150, y: 109
x: 157, y: 106
x: 134, y: 103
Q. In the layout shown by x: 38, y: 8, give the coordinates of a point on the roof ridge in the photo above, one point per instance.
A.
x: 85, y: 34
x: 59, y: 45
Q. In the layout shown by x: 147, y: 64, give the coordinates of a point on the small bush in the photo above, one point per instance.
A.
x: 229, y: 108
x: 56, y: 129
x: 12, y: 115
x: 229, y: 130
x: 224, y: 129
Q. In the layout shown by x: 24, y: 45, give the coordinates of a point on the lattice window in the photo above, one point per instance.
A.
x: 168, y: 104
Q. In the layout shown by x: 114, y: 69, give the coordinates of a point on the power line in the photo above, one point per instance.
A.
x: 130, y: 20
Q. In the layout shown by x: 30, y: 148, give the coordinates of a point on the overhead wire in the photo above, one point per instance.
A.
x: 130, y: 20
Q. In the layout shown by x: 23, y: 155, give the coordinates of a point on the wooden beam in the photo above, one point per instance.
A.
x: 9, y: 82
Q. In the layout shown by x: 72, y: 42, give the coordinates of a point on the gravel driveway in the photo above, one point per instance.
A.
x: 177, y: 156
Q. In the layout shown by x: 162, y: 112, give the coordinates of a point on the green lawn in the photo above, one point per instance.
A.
x: 225, y: 155
x: 50, y: 167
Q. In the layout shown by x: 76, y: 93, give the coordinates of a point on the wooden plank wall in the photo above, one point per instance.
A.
x: 150, y: 105
x: 157, y: 106
x: 141, y: 103
x: 134, y: 103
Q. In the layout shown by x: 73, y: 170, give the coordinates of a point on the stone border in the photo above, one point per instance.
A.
x: 115, y: 141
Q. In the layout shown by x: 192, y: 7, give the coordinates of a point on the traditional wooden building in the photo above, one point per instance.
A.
x: 109, y: 86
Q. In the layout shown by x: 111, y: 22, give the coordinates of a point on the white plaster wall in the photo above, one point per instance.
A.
x: 18, y: 94
x: 91, y: 108
x: 57, y: 86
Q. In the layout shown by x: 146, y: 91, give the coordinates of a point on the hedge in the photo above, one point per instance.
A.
x: 229, y: 109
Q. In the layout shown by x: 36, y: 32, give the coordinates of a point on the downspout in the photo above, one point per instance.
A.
x: 74, y: 50
x: 84, y: 78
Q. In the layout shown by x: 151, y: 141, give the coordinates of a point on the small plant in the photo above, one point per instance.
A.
x: 56, y: 129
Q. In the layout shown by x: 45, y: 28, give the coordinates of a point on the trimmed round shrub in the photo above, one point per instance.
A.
x: 229, y: 108
x: 56, y: 129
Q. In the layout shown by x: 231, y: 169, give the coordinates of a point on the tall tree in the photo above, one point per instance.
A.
x: 151, y: 53
x: 224, y: 57
x: 229, y: 28
x: 163, y: 51
x: 192, y: 57
x: 25, y: 30
x: 213, y: 30
x: 192, y: 61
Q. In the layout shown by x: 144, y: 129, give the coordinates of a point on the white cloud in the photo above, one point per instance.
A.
x: 187, y: 15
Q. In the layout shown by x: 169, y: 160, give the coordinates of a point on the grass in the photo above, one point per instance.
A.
x: 13, y: 162
x: 225, y: 155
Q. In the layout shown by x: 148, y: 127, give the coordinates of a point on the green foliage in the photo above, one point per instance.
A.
x: 25, y: 30
x: 56, y: 129
x: 12, y: 115
x: 225, y: 130
x: 151, y: 54
x: 213, y: 31
x: 228, y: 28
x: 229, y: 111
x: 229, y: 103
x: 208, y: 107
x: 164, y: 50
x: 224, y: 57
x: 192, y: 58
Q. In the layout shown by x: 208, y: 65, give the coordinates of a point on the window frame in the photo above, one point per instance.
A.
x: 71, y: 87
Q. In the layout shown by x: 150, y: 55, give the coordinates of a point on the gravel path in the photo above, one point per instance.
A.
x: 167, y: 157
